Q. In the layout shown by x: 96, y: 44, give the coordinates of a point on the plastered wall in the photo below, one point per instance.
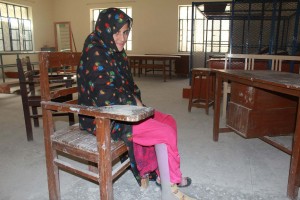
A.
x: 154, y: 30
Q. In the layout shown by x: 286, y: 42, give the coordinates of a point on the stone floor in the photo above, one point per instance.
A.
x: 233, y: 168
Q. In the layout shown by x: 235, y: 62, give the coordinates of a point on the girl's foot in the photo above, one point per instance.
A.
x: 185, y: 182
x: 178, y: 194
x: 144, y: 182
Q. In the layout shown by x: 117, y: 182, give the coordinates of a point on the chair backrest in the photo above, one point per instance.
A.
x: 63, y: 62
x: 249, y: 62
x: 26, y: 78
x: 54, y: 60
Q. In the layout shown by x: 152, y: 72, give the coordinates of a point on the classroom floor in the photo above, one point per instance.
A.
x: 233, y: 168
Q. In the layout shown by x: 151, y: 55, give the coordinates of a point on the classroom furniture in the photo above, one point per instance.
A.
x: 29, y: 82
x: 98, y: 153
x: 156, y: 62
x: 5, y: 57
x: 254, y: 62
x: 205, y: 82
x: 282, y: 85
x: 182, y: 65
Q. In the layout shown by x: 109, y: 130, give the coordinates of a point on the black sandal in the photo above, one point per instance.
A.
x: 188, y: 182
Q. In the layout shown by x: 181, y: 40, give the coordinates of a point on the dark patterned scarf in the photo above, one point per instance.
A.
x: 104, y: 78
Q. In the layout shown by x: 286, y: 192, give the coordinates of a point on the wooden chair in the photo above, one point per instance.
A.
x: 206, y: 82
x: 30, y: 94
x: 80, y: 145
x: 65, y: 62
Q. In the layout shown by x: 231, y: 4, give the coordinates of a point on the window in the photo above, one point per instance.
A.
x: 209, y: 35
x: 185, y: 28
x: 127, y: 10
x: 15, y: 28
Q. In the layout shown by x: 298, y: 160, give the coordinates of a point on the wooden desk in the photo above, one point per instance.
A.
x: 142, y: 62
x: 281, y: 82
x: 15, y: 54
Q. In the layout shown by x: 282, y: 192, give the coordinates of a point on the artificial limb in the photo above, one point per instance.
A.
x: 169, y: 191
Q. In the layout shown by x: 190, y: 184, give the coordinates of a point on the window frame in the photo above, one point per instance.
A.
x: 204, y: 42
x: 15, y: 28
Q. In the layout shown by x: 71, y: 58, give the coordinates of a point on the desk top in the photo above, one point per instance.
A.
x: 265, y: 79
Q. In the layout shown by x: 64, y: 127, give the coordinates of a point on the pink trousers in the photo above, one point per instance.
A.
x: 161, y: 128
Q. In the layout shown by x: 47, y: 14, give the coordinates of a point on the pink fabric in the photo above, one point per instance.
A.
x: 145, y: 158
x: 161, y: 128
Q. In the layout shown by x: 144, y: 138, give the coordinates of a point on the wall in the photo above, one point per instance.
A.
x: 154, y: 30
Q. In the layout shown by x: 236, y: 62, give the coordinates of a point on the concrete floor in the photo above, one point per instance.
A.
x: 233, y: 168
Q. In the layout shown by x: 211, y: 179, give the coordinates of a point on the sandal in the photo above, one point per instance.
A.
x: 144, y: 182
x: 181, y: 185
x: 178, y: 194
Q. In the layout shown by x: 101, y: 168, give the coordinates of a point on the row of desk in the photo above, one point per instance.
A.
x: 138, y: 62
x: 155, y: 62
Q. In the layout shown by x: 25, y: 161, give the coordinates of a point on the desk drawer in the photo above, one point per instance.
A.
x: 254, y: 112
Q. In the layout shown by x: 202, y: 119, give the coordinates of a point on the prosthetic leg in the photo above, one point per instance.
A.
x: 169, y: 191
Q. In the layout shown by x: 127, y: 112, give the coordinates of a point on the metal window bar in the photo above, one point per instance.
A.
x: 14, y: 35
x: 183, y: 27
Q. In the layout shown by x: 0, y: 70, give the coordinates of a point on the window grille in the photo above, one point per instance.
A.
x: 212, y: 35
x: 15, y: 28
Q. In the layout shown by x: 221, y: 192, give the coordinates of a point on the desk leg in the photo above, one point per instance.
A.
x: 2, y: 69
x: 207, y: 99
x: 217, y: 108
x: 164, y: 70
x: 139, y: 68
x: 293, y: 182
x: 170, y: 68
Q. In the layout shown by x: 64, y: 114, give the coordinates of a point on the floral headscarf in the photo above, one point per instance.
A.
x: 104, y: 78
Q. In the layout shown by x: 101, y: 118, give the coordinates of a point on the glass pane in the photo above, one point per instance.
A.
x: 182, y: 12
x: 225, y: 24
x: 11, y: 12
x: 216, y: 25
x: 129, y: 45
x: 216, y: 36
x: 95, y: 15
x: 27, y: 35
x: 189, y: 12
x: 3, y: 10
x: 1, y: 45
x: 14, y: 23
x: 24, y: 13
x: 15, y: 34
x: 129, y: 12
x: 26, y: 24
x: 28, y: 46
x: 16, y: 45
x: 216, y: 49
x: 225, y: 36
x: 18, y: 12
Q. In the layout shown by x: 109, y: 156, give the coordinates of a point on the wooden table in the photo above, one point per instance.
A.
x: 281, y: 82
x: 17, y: 54
x: 142, y: 62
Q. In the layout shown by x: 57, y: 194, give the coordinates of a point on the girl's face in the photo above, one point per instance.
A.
x: 121, y: 37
